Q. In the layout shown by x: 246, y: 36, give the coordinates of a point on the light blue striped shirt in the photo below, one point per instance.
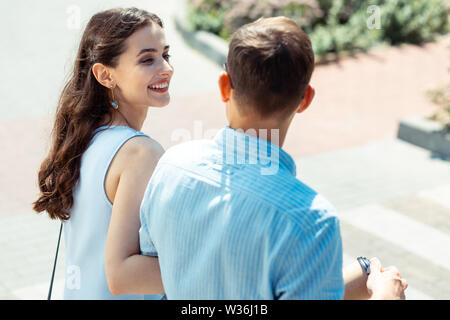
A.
x: 229, y: 220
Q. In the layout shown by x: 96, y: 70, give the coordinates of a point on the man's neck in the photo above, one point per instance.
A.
x: 270, y: 130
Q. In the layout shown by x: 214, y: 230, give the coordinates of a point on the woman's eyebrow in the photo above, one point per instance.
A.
x: 151, y: 50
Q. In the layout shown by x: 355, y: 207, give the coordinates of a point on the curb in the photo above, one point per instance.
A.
x: 425, y: 133
x: 208, y: 44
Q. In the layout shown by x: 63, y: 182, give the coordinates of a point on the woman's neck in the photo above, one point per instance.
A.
x: 130, y: 117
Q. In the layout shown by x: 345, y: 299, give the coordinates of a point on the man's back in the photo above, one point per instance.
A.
x: 227, y: 227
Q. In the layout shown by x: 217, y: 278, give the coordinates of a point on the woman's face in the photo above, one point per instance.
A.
x: 143, y: 73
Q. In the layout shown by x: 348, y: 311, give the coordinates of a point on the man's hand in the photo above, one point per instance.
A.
x: 385, y: 284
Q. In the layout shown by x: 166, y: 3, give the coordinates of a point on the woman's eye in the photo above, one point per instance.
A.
x: 167, y: 56
x: 148, y: 61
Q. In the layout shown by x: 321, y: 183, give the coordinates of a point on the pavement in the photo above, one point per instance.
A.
x: 393, y: 198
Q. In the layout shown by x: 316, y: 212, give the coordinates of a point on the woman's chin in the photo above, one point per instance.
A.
x: 159, y: 104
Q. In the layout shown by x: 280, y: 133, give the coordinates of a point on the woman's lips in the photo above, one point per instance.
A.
x: 160, y: 87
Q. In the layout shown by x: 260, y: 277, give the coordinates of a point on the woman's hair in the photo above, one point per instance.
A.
x: 84, y: 105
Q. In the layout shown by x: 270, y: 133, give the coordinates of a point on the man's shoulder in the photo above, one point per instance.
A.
x: 303, y: 205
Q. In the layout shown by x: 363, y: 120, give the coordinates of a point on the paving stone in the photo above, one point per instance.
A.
x: 378, y: 171
x: 420, y: 273
x: 423, y: 210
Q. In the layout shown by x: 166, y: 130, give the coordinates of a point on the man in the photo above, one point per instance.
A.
x: 227, y: 218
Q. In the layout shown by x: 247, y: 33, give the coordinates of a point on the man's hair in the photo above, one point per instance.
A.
x: 270, y: 63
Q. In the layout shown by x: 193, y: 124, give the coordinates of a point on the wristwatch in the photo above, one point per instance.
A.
x: 365, y: 264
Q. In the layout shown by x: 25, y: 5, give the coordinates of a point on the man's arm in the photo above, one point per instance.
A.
x: 355, y: 280
x: 309, y: 262
x: 381, y: 284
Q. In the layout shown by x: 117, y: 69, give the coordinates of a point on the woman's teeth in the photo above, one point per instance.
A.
x: 160, y: 86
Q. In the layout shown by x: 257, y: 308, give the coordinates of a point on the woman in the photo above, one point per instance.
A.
x: 99, y: 162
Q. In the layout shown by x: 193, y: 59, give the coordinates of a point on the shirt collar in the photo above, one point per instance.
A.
x: 241, y: 148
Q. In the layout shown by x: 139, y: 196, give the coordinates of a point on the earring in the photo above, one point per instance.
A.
x: 113, y: 103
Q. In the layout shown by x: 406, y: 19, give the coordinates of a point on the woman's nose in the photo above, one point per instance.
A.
x: 166, y: 68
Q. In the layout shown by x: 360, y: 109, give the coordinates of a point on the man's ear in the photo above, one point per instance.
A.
x: 103, y: 75
x: 224, y: 86
x: 307, y: 99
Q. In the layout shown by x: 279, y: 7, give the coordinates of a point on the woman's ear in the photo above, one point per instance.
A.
x: 224, y: 86
x: 102, y: 74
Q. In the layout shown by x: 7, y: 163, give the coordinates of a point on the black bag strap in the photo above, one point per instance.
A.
x: 54, y: 265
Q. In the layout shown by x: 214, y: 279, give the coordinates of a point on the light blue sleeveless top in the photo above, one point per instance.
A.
x: 85, y: 232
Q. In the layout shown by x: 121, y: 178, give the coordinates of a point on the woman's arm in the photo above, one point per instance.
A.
x: 128, y: 272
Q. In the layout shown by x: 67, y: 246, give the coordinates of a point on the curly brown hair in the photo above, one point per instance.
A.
x: 84, y: 106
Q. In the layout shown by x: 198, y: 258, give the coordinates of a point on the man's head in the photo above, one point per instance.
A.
x: 269, y: 66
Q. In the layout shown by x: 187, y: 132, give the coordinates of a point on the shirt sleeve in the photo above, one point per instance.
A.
x: 309, y: 263
x: 145, y: 241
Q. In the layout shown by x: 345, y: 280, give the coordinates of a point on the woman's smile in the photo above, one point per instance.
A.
x: 160, y: 87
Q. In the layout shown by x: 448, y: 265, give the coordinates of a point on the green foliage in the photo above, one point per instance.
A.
x: 441, y: 97
x: 414, y: 21
x: 333, y: 25
x: 207, y: 15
